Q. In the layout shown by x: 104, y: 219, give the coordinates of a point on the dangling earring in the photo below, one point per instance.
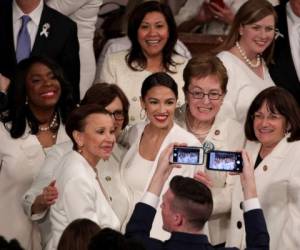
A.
x: 79, y: 148
x: 142, y: 114
x: 26, y: 101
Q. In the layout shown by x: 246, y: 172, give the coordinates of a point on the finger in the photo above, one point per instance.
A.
x: 52, y: 183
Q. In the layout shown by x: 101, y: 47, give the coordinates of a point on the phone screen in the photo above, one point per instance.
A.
x: 187, y: 155
x: 224, y: 161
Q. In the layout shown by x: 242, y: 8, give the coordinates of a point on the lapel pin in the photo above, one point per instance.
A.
x: 45, y: 29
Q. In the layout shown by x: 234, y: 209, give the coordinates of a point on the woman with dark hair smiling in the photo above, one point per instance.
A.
x: 43, y: 192
x: 40, y: 101
x: 153, y: 35
x: 273, y: 132
x: 159, y: 95
x: 81, y: 193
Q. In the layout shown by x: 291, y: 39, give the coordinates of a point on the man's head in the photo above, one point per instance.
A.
x: 186, y: 206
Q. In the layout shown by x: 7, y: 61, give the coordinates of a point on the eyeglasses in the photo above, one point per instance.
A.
x: 200, y: 95
x: 118, y: 115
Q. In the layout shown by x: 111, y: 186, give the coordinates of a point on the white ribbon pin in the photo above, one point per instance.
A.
x: 45, y: 31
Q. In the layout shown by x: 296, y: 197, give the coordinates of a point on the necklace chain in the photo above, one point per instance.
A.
x: 247, y: 60
x: 53, y: 124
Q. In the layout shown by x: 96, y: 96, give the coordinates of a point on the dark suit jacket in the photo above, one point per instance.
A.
x: 283, y: 70
x: 140, y: 223
x: 61, y: 44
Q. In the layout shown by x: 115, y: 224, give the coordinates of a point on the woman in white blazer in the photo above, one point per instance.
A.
x: 273, y: 130
x: 147, y: 140
x: 85, y: 14
x: 39, y: 101
x: 81, y: 193
x: 205, y: 87
x: 38, y: 199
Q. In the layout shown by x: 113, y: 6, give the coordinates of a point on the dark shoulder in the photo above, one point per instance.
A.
x: 58, y: 17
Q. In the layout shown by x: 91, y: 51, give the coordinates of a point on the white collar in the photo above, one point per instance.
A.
x: 295, y: 20
x: 35, y: 15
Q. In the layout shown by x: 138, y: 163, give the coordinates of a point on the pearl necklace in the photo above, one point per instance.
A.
x: 53, y: 124
x: 247, y: 60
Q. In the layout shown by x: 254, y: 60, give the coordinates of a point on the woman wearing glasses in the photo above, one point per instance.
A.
x: 205, y: 87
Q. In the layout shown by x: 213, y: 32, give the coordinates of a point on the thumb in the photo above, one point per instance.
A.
x: 52, y: 183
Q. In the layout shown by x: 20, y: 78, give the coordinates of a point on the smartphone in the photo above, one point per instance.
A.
x: 224, y: 161
x: 218, y: 2
x: 187, y: 155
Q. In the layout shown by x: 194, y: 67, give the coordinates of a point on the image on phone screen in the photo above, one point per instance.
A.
x: 187, y: 155
x: 224, y: 161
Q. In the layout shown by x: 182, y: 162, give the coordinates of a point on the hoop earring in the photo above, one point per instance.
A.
x: 142, y: 114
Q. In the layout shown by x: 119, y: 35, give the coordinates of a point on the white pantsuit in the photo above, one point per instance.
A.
x: 278, y: 184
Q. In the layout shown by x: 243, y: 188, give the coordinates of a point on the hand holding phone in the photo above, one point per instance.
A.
x: 187, y: 155
x: 224, y: 161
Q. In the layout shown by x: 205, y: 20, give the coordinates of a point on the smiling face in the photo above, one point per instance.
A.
x: 160, y: 103
x: 204, y: 110
x: 97, y: 139
x: 116, y: 106
x: 42, y: 87
x: 269, y: 128
x: 256, y: 37
x: 153, y: 34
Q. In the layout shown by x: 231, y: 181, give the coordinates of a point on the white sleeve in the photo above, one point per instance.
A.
x: 42, y: 180
x: 66, y: 7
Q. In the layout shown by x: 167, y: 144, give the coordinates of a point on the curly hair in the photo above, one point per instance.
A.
x: 18, y: 114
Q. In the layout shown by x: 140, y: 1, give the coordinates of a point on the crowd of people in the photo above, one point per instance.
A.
x: 86, y: 148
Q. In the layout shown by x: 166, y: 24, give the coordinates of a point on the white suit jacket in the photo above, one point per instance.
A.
x: 176, y: 134
x: 20, y: 162
x: 228, y: 135
x: 109, y: 173
x: 278, y: 184
x: 80, y: 196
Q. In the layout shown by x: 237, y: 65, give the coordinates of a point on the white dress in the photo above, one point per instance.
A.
x: 84, y: 13
x: 20, y: 162
x: 115, y: 70
x: 176, y: 134
x: 277, y: 180
x: 80, y: 196
x: 242, y: 87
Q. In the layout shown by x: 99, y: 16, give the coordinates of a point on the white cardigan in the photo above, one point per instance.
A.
x: 176, y: 134
x: 278, y: 184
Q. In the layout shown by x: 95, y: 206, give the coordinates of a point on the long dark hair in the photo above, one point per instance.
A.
x: 19, y: 113
x: 136, y: 59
